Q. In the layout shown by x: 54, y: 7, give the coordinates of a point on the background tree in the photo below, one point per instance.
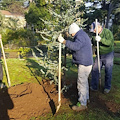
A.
x: 36, y: 11
x: 102, y: 10
x: 8, y: 23
x: 116, y: 26
x: 5, y: 4
x: 107, y: 13
x: 9, y: 27
x: 20, y: 38
x: 16, y: 7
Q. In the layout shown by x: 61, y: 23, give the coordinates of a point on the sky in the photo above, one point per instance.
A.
x: 88, y: 4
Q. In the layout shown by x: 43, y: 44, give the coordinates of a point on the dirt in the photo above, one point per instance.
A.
x: 21, y: 102
x: 107, y: 105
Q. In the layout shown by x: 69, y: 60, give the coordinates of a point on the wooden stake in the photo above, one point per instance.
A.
x: 98, y: 52
x: 8, y: 78
x: 59, y: 82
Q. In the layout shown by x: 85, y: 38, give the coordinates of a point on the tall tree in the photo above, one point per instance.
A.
x: 105, y: 7
x: 35, y: 13
x: 112, y: 5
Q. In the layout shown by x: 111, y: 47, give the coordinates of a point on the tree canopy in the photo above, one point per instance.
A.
x: 35, y: 13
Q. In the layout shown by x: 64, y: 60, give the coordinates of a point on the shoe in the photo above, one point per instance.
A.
x: 106, y: 91
x: 91, y: 88
x: 2, y: 85
x: 78, y: 107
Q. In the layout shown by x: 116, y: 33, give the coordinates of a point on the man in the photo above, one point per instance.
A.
x: 82, y: 56
x: 106, y: 52
x: 1, y: 73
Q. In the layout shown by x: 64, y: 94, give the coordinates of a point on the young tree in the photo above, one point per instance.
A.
x: 64, y: 13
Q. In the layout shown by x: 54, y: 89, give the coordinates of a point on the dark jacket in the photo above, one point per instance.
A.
x: 82, y: 49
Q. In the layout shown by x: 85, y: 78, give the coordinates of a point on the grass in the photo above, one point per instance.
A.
x: 117, y: 46
x: 91, y: 114
x: 21, y: 71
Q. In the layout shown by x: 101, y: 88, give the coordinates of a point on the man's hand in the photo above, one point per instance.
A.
x: 60, y: 39
x: 98, y: 38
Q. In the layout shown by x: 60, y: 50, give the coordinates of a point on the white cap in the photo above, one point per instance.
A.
x: 73, y: 28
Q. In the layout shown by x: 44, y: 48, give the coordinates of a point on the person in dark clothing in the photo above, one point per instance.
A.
x: 1, y: 73
x: 82, y: 56
x: 106, y: 52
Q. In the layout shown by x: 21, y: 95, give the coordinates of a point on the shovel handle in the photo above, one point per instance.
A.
x: 59, y: 83
x: 97, y: 46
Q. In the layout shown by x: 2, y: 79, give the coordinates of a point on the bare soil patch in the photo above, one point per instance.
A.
x: 24, y: 101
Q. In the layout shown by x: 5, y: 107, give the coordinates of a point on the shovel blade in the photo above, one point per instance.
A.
x: 52, y: 105
x: 58, y: 107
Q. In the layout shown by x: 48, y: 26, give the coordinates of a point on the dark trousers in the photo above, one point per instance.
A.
x: 107, y: 61
x: 1, y: 72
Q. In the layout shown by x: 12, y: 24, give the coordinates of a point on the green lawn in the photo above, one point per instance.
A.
x: 21, y: 71
x: 117, y: 46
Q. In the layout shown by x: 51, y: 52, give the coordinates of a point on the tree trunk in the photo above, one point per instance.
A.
x: 109, y: 13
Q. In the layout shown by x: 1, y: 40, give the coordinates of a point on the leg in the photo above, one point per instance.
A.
x: 108, y: 70
x: 82, y: 83
x: 95, y: 74
x: 1, y: 72
x: 1, y: 77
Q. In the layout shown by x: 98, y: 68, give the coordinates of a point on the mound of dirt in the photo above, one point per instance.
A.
x: 27, y: 100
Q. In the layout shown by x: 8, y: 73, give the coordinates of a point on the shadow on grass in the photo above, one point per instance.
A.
x: 33, y: 65
x: 70, y: 79
x: 97, y: 103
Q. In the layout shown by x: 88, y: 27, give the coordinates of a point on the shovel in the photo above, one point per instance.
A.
x: 98, y: 54
x: 59, y: 80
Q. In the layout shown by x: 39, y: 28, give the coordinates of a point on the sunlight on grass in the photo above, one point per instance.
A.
x: 117, y: 46
x: 92, y: 114
x: 19, y: 72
